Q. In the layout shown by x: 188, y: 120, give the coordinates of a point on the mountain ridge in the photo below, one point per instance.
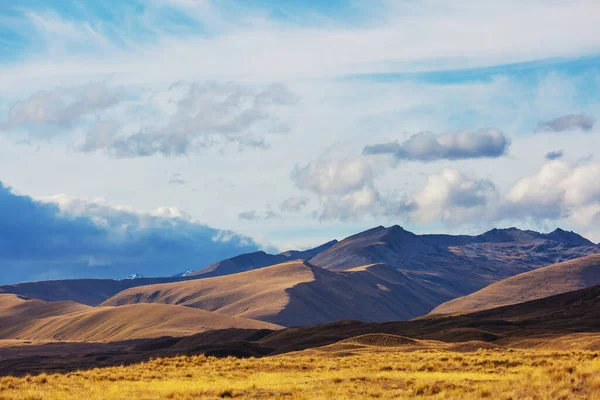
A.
x: 295, y: 293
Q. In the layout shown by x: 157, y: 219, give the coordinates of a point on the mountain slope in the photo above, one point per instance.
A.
x: 258, y: 259
x: 455, y: 266
x: 38, y: 320
x: 295, y: 293
x: 558, y: 278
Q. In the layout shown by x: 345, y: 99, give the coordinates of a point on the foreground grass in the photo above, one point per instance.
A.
x: 380, y: 373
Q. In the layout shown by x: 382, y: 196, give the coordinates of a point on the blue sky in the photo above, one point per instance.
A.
x: 292, y: 123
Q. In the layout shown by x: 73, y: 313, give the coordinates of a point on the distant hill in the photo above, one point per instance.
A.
x: 85, y: 291
x: 33, y: 319
x: 454, y: 266
x: 296, y: 293
x: 94, y: 291
x: 258, y: 259
x: 558, y: 278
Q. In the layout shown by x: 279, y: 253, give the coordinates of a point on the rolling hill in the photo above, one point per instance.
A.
x: 296, y: 293
x: 558, y: 278
x: 454, y: 266
x: 32, y: 319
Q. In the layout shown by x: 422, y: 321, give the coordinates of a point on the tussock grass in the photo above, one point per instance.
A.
x: 379, y: 374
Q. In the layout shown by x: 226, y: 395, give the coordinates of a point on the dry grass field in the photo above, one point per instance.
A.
x: 374, y: 366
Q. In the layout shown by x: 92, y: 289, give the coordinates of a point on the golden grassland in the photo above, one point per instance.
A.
x: 333, y: 373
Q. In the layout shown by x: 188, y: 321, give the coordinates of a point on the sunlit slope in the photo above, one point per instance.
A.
x: 38, y: 320
x: 558, y: 278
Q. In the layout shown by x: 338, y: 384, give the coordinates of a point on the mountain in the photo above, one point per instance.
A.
x: 85, y: 291
x: 454, y: 266
x: 33, y: 319
x: 558, y: 278
x: 258, y: 259
x: 187, y: 272
x: 296, y: 293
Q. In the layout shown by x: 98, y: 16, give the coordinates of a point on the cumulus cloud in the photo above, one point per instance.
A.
x: 555, y: 155
x: 568, y: 123
x: 453, y: 197
x: 63, y: 106
x: 346, y: 187
x: 558, y: 190
x: 63, y: 237
x: 293, y: 204
x: 203, y: 115
x: 427, y: 146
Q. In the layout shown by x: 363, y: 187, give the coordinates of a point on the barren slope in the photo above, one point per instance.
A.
x: 38, y: 320
x: 559, y: 278
x: 295, y: 293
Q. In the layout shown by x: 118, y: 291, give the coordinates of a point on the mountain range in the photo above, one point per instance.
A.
x: 382, y: 274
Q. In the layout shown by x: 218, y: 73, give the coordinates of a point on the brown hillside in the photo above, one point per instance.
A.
x: 37, y: 320
x: 555, y: 279
x: 295, y: 293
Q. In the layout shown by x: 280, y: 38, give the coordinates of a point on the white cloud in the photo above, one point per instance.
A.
x: 454, y: 198
x: 558, y: 190
x: 346, y: 187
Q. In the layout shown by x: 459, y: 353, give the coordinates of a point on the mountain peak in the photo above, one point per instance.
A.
x: 561, y: 235
x: 511, y: 234
x: 135, y: 275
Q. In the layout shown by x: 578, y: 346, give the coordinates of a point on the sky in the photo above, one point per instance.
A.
x: 162, y: 135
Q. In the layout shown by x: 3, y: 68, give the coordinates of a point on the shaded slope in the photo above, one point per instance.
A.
x: 454, y: 266
x: 85, y: 291
x: 38, y: 320
x: 550, y: 318
x: 295, y: 293
x: 256, y: 260
x: 558, y: 278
